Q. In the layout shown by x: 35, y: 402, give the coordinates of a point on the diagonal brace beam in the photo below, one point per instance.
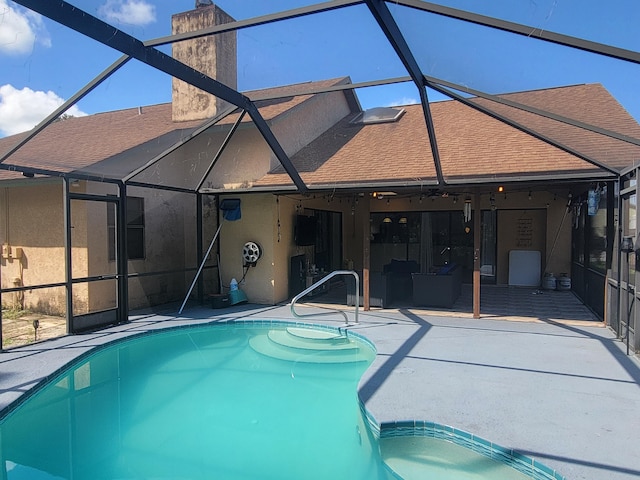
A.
x: 66, y: 106
x: 387, y: 23
x: 522, y: 128
x: 92, y: 27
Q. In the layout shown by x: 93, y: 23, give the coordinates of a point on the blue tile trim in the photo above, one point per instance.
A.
x: 522, y: 463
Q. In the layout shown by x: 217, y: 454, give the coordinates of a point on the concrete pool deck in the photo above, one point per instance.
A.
x: 562, y: 392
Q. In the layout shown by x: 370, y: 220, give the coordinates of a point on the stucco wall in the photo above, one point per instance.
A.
x: 269, y: 221
x: 296, y: 128
x: 214, y: 55
x: 245, y: 159
x: 553, y: 227
x: 170, y: 245
x: 256, y: 225
x: 31, y: 219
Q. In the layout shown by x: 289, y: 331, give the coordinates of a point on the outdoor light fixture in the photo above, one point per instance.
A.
x: 381, y: 195
x: 402, y: 220
x: 386, y: 220
x: 467, y: 209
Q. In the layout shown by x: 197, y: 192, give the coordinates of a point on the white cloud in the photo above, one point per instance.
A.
x: 130, y: 12
x: 20, y: 30
x: 403, y: 101
x: 21, y: 110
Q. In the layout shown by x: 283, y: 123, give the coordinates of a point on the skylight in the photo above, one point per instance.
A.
x: 378, y: 115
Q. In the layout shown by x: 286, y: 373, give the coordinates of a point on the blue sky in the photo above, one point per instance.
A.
x: 43, y: 63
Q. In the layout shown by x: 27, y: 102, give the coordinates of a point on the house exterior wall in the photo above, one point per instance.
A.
x: 256, y: 225
x: 267, y: 220
x: 296, y: 128
x: 31, y: 215
x: 248, y: 157
x: 550, y: 227
x: 245, y: 159
x: 284, y: 246
x: 170, y: 246
x: 170, y: 224
x: 170, y: 232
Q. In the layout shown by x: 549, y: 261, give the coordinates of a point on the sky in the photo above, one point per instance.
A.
x: 42, y: 63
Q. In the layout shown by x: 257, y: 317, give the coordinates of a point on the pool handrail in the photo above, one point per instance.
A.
x: 320, y: 282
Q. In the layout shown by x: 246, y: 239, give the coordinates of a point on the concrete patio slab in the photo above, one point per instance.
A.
x: 562, y: 392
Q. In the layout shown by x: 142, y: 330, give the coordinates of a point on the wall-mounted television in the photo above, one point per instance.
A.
x: 305, y: 230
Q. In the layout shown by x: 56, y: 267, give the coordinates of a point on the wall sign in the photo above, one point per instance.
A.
x: 524, y: 232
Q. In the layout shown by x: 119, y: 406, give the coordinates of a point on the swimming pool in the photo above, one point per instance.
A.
x: 238, y: 400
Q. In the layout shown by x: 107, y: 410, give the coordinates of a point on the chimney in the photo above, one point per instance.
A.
x: 213, y: 55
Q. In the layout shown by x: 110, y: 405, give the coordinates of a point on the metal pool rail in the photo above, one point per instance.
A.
x: 320, y: 282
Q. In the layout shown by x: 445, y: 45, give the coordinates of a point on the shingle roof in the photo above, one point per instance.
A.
x: 80, y: 142
x: 75, y: 143
x: 591, y: 104
x: 471, y: 144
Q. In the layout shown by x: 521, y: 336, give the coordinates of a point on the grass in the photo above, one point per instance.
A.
x: 18, y: 327
x: 14, y: 313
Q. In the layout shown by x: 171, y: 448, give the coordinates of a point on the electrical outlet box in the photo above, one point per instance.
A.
x: 6, y: 250
x: 17, y: 253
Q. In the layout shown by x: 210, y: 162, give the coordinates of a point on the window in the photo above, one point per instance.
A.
x: 135, y: 228
x: 598, y: 233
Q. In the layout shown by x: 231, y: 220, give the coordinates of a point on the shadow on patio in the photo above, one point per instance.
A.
x: 500, y: 302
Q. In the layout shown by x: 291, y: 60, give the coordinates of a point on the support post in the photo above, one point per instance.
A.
x: 67, y: 254
x: 477, y: 225
x: 366, y: 252
x: 122, y: 254
x: 199, y: 244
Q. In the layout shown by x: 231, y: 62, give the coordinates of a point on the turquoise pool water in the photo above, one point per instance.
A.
x: 245, y: 400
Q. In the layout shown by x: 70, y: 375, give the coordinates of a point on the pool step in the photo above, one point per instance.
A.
x: 306, y: 339
x: 306, y: 345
